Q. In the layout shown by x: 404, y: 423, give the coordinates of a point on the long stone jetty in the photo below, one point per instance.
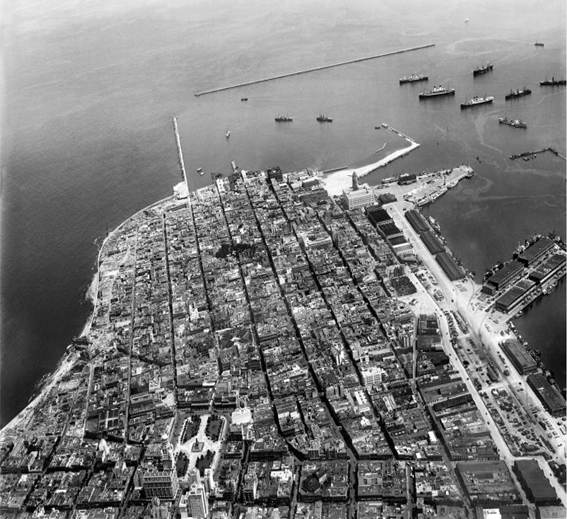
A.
x: 314, y: 69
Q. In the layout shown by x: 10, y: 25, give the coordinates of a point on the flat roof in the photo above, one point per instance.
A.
x: 377, y: 214
x: 515, y: 293
x: 449, y: 266
x: 534, y: 250
x: 390, y: 229
x: 535, y: 480
x: 512, y: 347
x: 506, y: 272
x: 551, y: 396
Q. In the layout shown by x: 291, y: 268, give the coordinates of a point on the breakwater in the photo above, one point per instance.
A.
x: 314, y: 69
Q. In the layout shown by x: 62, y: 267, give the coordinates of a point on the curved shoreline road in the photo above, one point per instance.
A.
x: 314, y: 69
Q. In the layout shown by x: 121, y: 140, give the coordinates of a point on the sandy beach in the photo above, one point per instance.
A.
x: 337, y: 181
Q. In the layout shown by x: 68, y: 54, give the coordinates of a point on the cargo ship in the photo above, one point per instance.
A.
x: 516, y: 123
x: 283, y: 119
x: 552, y: 82
x: 475, y: 101
x: 324, y: 119
x: 483, y: 69
x: 413, y: 78
x: 518, y: 93
x: 437, y: 91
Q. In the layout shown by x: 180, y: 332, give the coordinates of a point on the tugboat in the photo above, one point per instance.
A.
x: 518, y: 93
x: 552, y: 82
x: 483, y: 69
x: 437, y: 91
x: 516, y: 123
x: 283, y: 119
x: 475, y: 101
x: 413, y: 78
x: 324, y: 119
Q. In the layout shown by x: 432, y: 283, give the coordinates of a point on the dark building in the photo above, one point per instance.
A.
x: 515, y: 297
x: 535, y: 251
x: 505, y: 275
x: 432, y: 242
x: 536, y: 486
x: 417, y: 221
x: 449, y: 266
x: 406, y: 179
x: 549, y: 395
x: 378, y: 216
x: 519, y: 357
x: 548, y: 269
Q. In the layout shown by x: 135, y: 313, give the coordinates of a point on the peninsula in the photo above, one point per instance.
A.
x: 270, y: 346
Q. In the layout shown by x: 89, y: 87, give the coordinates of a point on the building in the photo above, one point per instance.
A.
x: 449, y: 266
x: 516, y: 297
x: 417, y: 221
x: 197, y: 504
x: 535, y: 251
x: 160, y: 483
x: 378, y: 216
x: 362, y: 197
x: 549, y: 395
x: 519, y: 357
x: 503, y: 277
x: 536, y: 486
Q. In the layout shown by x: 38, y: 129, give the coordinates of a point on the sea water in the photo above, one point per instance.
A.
x: 91, y: 89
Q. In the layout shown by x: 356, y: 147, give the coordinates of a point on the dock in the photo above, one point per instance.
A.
x: 314, y: 69
x: 530, y: 154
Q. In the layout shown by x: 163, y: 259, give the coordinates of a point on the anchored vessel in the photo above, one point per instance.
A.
x: 552, y: 82
x: 483, y: 69
x: 413, y: 78
x: 324, y: 119
x: 516, y: 123
x: 538, y: 44
x: 518, y: 93
x: 475, y: 101
x: 437, y: 91
x: 283, y: 119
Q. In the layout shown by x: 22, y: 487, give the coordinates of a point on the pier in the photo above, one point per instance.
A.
x: 314, y: 69
x: 530, y: 154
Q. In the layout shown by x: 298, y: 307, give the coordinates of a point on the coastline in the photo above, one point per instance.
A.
x: 68, y: 360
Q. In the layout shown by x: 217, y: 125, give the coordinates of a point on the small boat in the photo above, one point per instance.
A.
x: 483, y: 69
x: 552, y: 82
x: 283, y: 119
x: 324, y: 119
x: 475, y: 101
x: 518, y: 93
x: 516, y: 123
x: 227, y: 134
x: 538, y: 44
x: 466, y: 20
x: 200, y: 171
x: 437, y: 91
x: 413, y: 78
x: 244, y: 99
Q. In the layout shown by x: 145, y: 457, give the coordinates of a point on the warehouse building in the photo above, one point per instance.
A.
x: 548, y: 394
x: 519, y: 357
x: 536, y: 486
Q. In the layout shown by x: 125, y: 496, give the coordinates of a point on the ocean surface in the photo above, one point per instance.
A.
x: 91, y: 87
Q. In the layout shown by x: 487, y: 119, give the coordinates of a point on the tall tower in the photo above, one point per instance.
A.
x: 354, y: 181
